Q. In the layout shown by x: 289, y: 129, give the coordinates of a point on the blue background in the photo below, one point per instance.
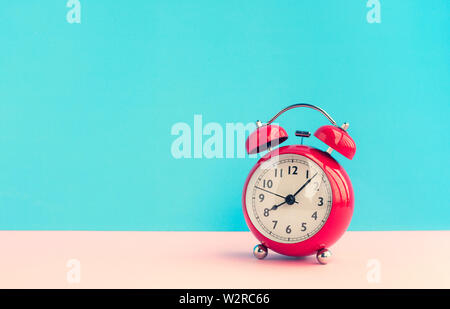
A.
x: 86, y: 109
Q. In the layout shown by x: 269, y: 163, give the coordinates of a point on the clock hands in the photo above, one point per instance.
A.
x: 289, y: 199
x: 304, y: 185
x: 269, y: 192
x: 274, y: 207
x: 284, y: 197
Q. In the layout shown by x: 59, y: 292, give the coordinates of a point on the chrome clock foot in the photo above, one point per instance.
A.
x: 323, y: 256
x: 260, y: 251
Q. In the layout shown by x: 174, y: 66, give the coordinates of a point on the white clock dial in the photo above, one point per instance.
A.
x: 288, y: 198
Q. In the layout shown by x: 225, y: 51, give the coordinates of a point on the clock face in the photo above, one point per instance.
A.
x: 288, y: 198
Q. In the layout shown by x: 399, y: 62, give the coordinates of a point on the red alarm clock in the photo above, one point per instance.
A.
x: 298, y: 200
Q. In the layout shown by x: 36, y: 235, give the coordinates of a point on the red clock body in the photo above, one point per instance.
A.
x: 338, y: 217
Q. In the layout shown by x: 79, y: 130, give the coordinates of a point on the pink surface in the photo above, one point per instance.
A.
x: 219, y: 260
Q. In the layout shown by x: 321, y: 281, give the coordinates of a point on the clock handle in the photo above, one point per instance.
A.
x: 334, y: 136
x: 303, y: 105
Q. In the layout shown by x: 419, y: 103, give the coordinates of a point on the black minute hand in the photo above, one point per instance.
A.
x: 305, y: 184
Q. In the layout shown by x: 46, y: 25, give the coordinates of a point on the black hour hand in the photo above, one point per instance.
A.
x: 275, y: 207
